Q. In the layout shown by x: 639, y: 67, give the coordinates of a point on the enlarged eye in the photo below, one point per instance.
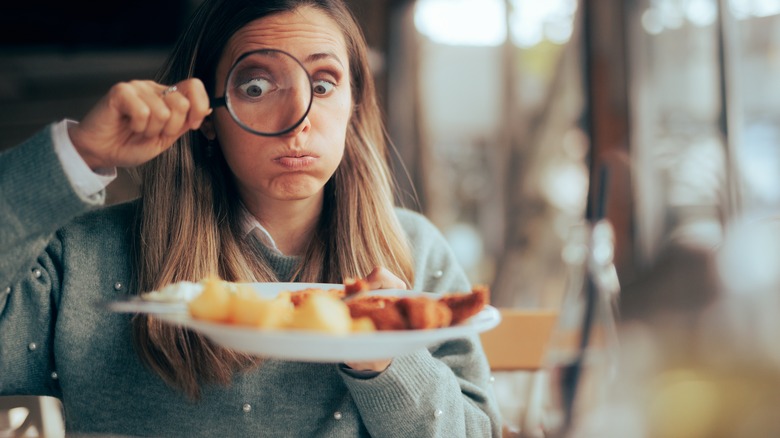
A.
x: 256, y: 87
x: 322, y: 87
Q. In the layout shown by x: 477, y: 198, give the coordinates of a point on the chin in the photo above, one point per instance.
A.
x: 299, y: 192
x: 298, y: 196
x: 293, y: 187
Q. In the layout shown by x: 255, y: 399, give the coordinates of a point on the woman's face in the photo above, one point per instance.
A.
x: 297, y: 165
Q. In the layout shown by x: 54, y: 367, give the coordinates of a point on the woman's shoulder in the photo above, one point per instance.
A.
x: 115, y: 218
x: 413, y: 221
x: 436, y: 266
x: 419, y: 229
x: 97, y: 245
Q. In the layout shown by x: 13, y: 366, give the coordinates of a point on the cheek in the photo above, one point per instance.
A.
x: 338, y: 117
x: 223, y: 126
x: 333, y: 136
x: 330, y: 119
x: 237, y: 145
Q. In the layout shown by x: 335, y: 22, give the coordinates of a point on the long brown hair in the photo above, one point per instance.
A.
x: 187, y: 226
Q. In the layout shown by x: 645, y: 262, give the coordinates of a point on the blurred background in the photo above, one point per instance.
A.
x: 516, y: 120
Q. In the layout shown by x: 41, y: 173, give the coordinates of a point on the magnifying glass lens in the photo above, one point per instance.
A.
x: 268, y: 92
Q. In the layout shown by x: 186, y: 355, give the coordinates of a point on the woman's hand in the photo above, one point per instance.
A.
x: 136, y: 121
x: 379, y: 278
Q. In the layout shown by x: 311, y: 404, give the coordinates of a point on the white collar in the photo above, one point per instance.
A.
x: 250, y: 224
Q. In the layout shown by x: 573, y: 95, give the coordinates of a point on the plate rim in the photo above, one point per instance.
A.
x: 281, y: 344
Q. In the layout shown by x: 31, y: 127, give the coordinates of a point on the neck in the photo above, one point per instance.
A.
x: 290, y: 223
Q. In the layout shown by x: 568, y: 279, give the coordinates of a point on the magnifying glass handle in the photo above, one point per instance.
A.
x: 216, y: 102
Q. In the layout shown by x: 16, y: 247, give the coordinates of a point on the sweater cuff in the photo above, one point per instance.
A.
x: 398, y: 387
x: 89, y: 185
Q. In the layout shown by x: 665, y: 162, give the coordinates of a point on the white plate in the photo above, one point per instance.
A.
x: 311, y: 346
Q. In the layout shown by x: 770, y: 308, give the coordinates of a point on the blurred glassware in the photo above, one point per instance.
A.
x: 582, y: 355
x: 707, y: 371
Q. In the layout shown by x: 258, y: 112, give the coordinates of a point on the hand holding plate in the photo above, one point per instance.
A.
x: 379, y: 278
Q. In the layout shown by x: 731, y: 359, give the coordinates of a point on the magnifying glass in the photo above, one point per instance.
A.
x: 268, y: 92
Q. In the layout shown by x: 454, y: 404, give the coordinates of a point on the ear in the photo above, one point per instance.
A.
x: 207, y: 128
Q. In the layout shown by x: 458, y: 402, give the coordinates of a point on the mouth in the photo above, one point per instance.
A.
x: 296, y: 160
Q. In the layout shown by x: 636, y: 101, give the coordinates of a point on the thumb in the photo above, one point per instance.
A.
x: 381, y: 278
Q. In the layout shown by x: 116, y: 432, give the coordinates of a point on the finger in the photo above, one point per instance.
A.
x: 381, y: 278
x: 198, y: 97
x: 179, y: 106
x: 159, y: 112
x: 125, y: 99
x: 377, y: 365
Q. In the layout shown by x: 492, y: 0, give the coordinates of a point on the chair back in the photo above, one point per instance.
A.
x: 516, y: 350
x: 520, y: 340
x: 31, y: 416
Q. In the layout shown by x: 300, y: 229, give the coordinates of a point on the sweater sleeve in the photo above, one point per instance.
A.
x: 442, y: 391
x: 36, y: 199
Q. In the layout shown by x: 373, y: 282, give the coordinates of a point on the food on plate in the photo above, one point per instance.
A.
x: 363, y: 325
x: 308, y: 309
x: 213, y: 303
x: 320, y: 312
x: 379, y: 309
x: 250, y: 309
x: 354, y: 286
x: 351, y: 286
x: 325, y: 310
x: 420, y: 312
x: 299, y: 296
x: 464, y: 306
x: 424, y: 313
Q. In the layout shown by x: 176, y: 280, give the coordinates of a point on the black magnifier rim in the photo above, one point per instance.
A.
x: 217, y: 102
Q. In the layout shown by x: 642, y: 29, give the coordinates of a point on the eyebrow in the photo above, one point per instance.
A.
x: 323, y: 55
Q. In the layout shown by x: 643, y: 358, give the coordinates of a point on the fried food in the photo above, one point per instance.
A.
x: 464, y: 306
x: 300, y: 296
x: 353, y: 286
x: 424, y: 313
x: 420, y: 312
x: 387, y: 318
x: 309, y: 309
x: 325, y: 311
x: 381, y: 310
x: 371, y: 302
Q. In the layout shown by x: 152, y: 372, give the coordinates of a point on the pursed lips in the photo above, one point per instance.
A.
x: 296, y: 160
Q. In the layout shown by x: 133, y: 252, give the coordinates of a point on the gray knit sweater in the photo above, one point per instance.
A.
x: 58, y: 260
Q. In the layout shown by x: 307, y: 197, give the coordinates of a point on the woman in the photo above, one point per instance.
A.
x: 314, y: 204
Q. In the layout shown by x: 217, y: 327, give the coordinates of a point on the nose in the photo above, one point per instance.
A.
x: 301, y: 128
x: 300, y: 102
